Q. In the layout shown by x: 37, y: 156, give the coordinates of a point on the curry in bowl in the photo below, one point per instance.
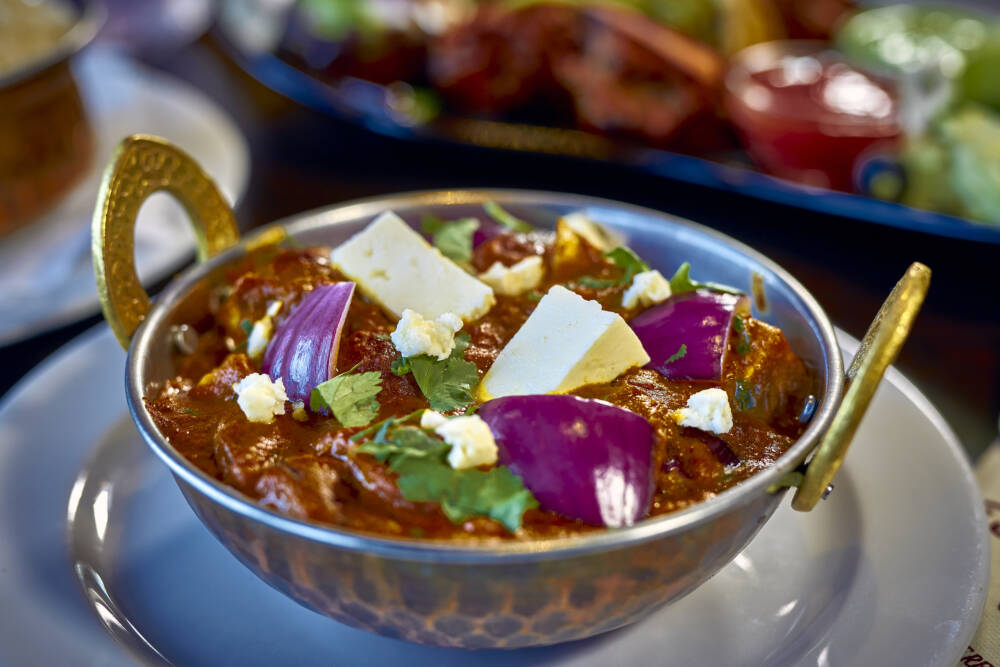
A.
x: 483, y: 380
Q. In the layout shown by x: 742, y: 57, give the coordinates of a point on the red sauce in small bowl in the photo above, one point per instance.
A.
x: 806, y: 115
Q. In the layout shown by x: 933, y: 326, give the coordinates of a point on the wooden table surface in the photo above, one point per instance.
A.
x: 302, y: 159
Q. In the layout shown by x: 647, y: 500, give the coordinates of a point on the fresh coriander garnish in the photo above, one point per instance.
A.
x: 452, y: 237
x: 743, y: 395
x: 679, y: 354
x: 506, y: 219
x: 681, y: 282
x: 497, y: 493
x: 384, y: 426
x: 247, y: 326
x: 190, y: 412
x: 447, y: 383
x: 743, y: 346
x: 425, y: 476
x: 625, y: 259
x: 349, y: 396
x: 382, y: 336
x: 534, y: 295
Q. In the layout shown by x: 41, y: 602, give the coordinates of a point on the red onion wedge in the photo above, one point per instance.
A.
x: 303, y: 351
x: 700, y: 321
x: 585, y: 459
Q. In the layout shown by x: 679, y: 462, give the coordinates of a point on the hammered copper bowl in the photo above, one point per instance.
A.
x: 502, y: 595
x: 46, y: 141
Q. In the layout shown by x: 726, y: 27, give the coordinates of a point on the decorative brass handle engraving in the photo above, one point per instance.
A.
x: 140, y: 166
x: 878, y: 350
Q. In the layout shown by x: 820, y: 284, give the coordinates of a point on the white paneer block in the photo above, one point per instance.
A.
x: 708, y: 410
x: 393, y: 265
x: 567, y: 342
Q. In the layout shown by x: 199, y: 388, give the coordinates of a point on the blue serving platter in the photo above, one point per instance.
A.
x: 248, y: 40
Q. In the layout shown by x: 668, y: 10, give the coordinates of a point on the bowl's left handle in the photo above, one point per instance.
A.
x: 140, y: 166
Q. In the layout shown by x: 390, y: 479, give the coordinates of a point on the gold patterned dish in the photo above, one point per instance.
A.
x: 46, y: 141
x: 475, y: 596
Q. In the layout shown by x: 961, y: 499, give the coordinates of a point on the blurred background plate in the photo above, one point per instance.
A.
x: 251, y: 28
x: 46, y: 277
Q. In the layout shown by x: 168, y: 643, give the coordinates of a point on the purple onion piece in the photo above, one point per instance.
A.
x: 585, y: 459
x: 303, y: 351
x: 488, y: 229
x: 700, y: 321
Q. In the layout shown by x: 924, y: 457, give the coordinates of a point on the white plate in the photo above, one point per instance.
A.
x: 46, y: 276
x: 890, y: 570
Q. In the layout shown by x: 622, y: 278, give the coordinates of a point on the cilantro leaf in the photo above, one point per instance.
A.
x: 506, y: 219
x: 350, y: 397
x: 497, y: 493
x: 679, y: 354
x: 382, y: 427
x: 247, y: 326
x: 625, y: 259
x: 452, y: 237
x: 681, y: 282
x: 404, y: 442
x: 400, y: 366
x: 447, y: 383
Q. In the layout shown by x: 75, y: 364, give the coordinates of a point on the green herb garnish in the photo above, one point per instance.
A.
x: 534, y: 295
x: 625, y: 259
x: 247, y: 326
x: 679, y: 354
x: 382, y: 336
x: 446, y: 383
x: 385, y: 425
x: 452, y: 237
x: 425, y: 476
x: 191, y: 412
x: 350, y: 397
x: 506, y: 219
x: 497, y: 493
x: 681, y: 282
x: 743, y: 346
x: 743, y: 395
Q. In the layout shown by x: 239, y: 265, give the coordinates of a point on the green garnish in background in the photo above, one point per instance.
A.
x: 743, y: 346
x: 452, y: 237
x: 625, y: 259
x: 681, y: 282
x: 679, y: 354
x: 506, y: 219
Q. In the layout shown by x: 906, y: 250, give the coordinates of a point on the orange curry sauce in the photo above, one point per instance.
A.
x: 311, y: 470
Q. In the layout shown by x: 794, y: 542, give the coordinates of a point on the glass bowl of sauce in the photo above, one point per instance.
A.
x: 806, y: 114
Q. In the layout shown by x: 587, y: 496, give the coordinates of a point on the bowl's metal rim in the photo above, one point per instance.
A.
x: 507, y: 552
x: 81, y: 33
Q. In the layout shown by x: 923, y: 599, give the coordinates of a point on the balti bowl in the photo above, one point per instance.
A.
x: 498, y: 595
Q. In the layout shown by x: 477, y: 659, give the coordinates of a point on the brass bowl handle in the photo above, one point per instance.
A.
x: 140, y: 166
x: 878, y: 350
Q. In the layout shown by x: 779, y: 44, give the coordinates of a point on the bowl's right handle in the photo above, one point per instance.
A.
x: 878, y: 350
x: 140, y: 166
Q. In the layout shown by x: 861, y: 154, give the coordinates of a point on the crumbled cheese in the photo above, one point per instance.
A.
x: 260, y: 398
x: 594, y: 233
x: 299, y: 411
x: 416, y: 335
x: 647, y: 288
x: 515, y: 279
x: 707, y: 410
x: 431, y: 419
x: 263, y: 329
x: 471, y: 441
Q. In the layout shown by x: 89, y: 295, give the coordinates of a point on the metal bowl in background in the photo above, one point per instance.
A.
x: 498, y: 595
x: 46, y: 141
